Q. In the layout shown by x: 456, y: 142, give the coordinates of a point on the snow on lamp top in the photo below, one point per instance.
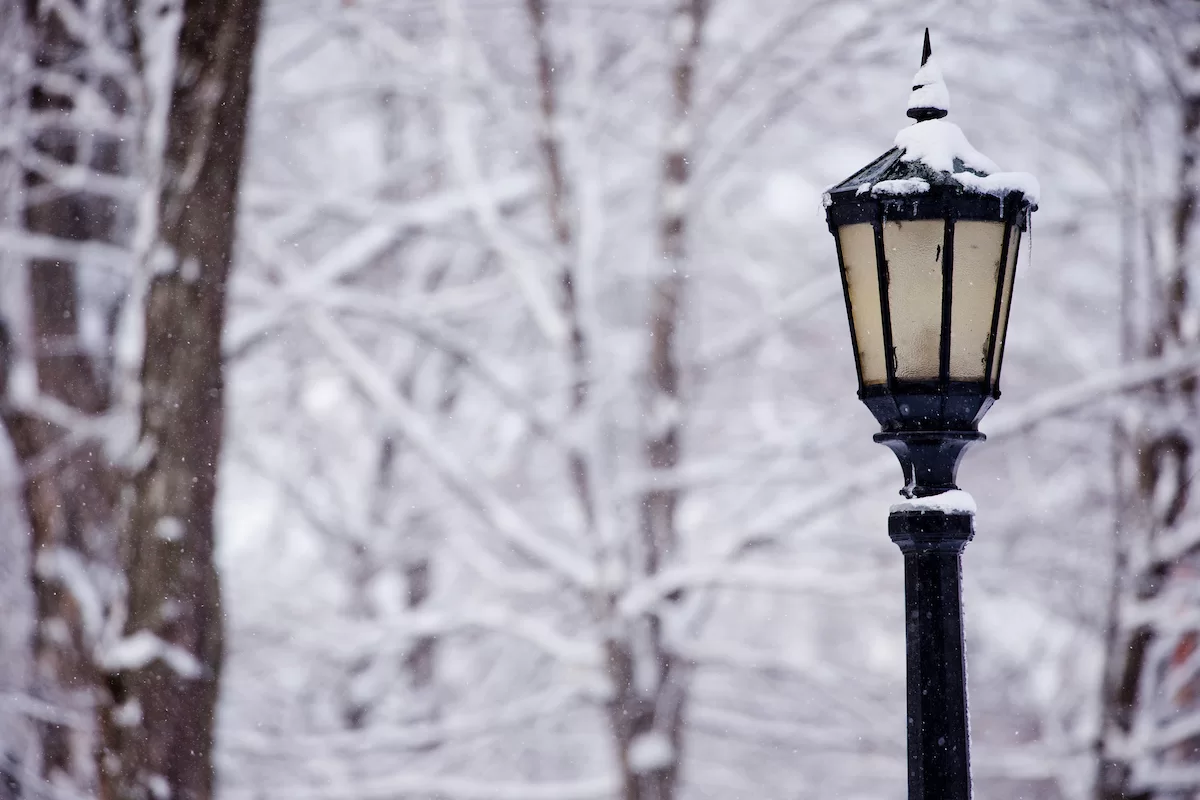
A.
x: 941, y: 145
x: 930, y: 99
x: 934, y: 151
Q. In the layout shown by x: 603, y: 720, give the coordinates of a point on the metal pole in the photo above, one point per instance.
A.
x: 939, y: 757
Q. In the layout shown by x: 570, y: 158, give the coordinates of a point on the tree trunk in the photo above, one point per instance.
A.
x: 157, y: 741
x: 1152, y: 673
x: 651, y: 682
x: 69, y: 491
x: 558, y: 206
x: 418, y: 660
x: 646, y: 711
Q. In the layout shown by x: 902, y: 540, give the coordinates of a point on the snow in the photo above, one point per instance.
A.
x: 67, y: 568
x: 170, y: 610
x: 138, y: 650
x: 665, y: 412
x: 942, y: 147
x: 1001, y: 183
x: 929, y: 88
x: 936, y: 143
x: 22, y: 382
x: 169, y: 529
x: 682, y: 28
x: 899, y: 186
x: 133, y: 652
x: 929, y: 73
x: 650, y: 752
x: 159, y: 788
x: 128, y: 715
x: 675, y: 199
x: 896, y: 186
x: 190, y: 271
x: 55, y: 630
x: 935, y: 96
x: 955, y: 501
x: 680, y: 138
x: 163, y: 260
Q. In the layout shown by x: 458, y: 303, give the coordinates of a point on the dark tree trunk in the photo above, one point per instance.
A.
x: 160, y: 737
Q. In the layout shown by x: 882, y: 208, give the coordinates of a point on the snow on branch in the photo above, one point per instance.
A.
x: 643, y: 596
x: 482, y: 365
x: 102, y: 53
x: 77, y: 177
x: 67, y: 568
x: 737, y: 341
x: 1004, y: 423
x: 93, y: 252
x: 447, y: 788
x: 731, y: 724
x: 650, y: 752
x: 1173, y: 734
x: 497, y: 573
x: 427, y: 211
x: 359, y: 638
x: 309, y: 283
x: 528, y: 267
x: 1073, y: 396
x: 38, y: 709
x: 473, y: 489
x: 458, y: 727
x: 37, y: 786
x: 140, y: 649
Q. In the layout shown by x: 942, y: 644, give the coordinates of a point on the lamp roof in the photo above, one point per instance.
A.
x: 932, y: 152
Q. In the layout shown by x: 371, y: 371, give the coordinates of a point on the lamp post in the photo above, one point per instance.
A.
x: 927, y: 240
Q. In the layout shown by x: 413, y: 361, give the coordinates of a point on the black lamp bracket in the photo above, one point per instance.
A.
x: 929, y: 458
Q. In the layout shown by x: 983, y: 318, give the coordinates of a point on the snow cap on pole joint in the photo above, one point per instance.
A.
x: 930, y: 99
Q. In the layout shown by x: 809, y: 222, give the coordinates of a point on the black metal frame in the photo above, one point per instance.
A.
x: 944, y: 201
x: 885, y: 307
x: 837, y: 240
x: 941, y: 404
x: 1000, y: 337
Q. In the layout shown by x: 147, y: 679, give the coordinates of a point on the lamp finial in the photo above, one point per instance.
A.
x: 930, y: 99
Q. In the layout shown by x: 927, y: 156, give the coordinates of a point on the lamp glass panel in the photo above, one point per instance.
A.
x: 976, y: 268
x: 1010, y: 270
x: 862, y: 287
x: 914, y: 259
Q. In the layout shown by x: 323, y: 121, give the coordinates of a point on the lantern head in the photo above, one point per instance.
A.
x: 927, y: 240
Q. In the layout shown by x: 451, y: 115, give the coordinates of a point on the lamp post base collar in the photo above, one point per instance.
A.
x: 927, y: 531
x: 929, y: 459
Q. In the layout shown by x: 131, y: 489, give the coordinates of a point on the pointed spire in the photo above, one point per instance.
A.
x: 930, y: 99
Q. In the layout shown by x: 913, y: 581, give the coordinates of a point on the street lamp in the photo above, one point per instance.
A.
x: 927, y: 239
